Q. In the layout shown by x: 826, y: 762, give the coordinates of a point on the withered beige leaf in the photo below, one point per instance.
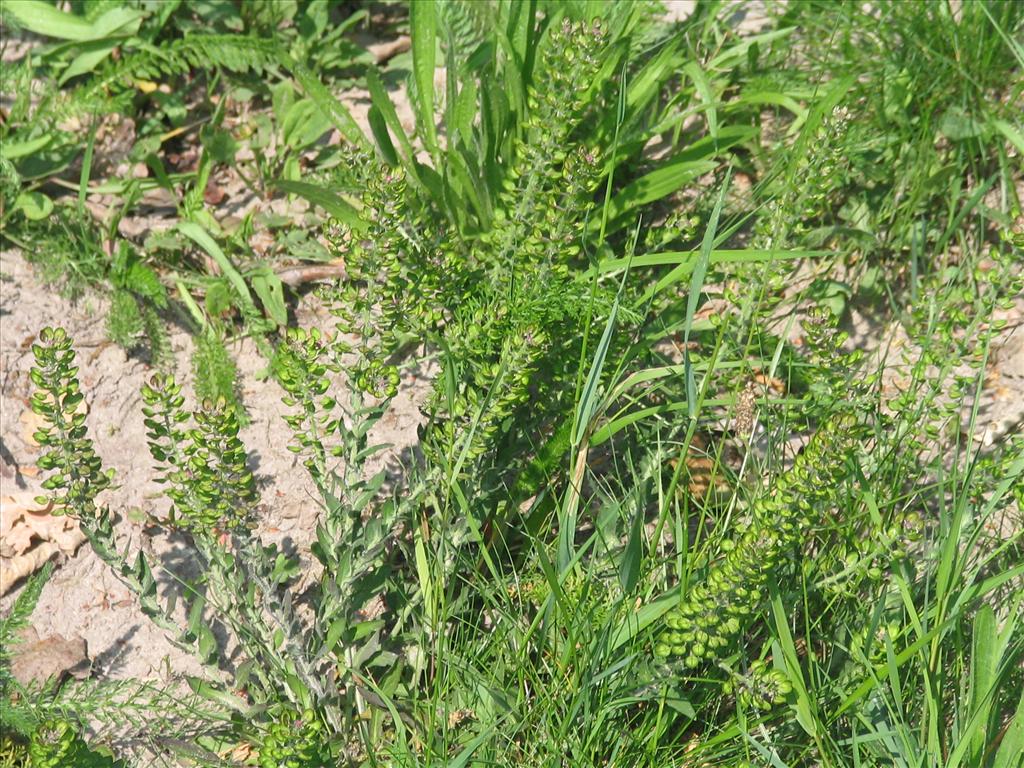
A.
x: 35, y: 659
x: 30, y: 534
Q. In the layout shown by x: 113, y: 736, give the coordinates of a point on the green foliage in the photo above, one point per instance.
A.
x: 243, y: 584
x: 294, y: 741
x: 58, y: 744
x: 75, y: 468
x: 216, y: 374
x: 18, y: 715
x: 205, y: 467
x: 921, y: 127
x: 35, y: 733
x: 717, y: 610
x: 542, y: 579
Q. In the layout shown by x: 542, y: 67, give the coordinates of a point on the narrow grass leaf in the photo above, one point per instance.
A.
x: 700, y: 269
x: 707, y: 95
x: 462, y: 759
x: 648, y: 614
x: 200, y: 236
x: 614, y: 426
x: 83, y: 177
x: 423, y: 30
x: 589, y: 396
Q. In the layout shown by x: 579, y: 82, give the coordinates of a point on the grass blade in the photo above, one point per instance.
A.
x: 202, y: 238
x: 423, y: 30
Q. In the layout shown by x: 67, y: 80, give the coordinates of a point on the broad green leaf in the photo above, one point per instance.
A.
x: 216, y: 695
x: 303, y: 124
x: 334, y: 633
x: 657, y: 184
x: 268, y: 287
x: 120, y: 20
x: 1011, y: 749
x: 379, y: 130
x: 12, y: 150
x: 423, y: 574
x: 673, y: 175
x: 35, y: 205
x: 957, y: 125
x: 334, y: 204
x: 806, y: 711
x: 464, y: 112
x: 629, y: 566
x: 200, y: 236
x: 87, y: 61
x: 383, y: 103
x: 326, y: 102
x: 985, y: 658
x: 1012, y: 133
x: 44, y: 19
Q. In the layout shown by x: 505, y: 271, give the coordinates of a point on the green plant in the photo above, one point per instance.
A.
x: 243, y: 585
x: 40, y: 729
x: 926, y: 125
x: 542, y: 580
x: 715, y: 612
x: 132, y: 66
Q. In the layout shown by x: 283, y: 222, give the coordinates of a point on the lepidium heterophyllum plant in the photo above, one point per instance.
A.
x: 297, y: 676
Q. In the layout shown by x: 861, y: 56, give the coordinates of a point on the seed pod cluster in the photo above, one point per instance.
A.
x: 761, y: 688
x: 76, y: 470
x: 204, y: 467
x: 57, y: 743
x: 717, y: 610
x: 294, y: 741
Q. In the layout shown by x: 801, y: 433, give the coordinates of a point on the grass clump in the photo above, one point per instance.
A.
x: 659, y: 511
